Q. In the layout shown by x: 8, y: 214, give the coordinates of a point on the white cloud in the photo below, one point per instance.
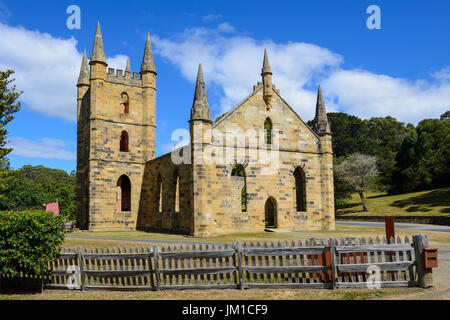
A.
x: 368, y: 95
x: 117, y: 62
x: 233, y: 63
x: 211, y: 17
x: 47, y: 69
x: 225, y: 27
x: 45, y: 148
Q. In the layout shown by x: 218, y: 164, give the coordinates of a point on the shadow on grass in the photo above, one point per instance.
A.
x: 426, y: 202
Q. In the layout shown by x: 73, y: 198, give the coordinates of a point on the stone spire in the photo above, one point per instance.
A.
x: 147, y: 62
x: 84, y: 71
x: 98, y: 52
x: 267, y: 80
x: 128, y: 67
x: 321, y: 124
x: 266, y: 66
x: 200, y: 108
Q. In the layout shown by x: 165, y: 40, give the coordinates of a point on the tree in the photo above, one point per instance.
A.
x: 358, y: 172
x: 385, y: 136
x: 33, y: 186
x: 423, y: 161
x: 381, y: 137
x: 342, y: 191
x: 8, y: 106
x: 446, y: 115
x: 349, y: 134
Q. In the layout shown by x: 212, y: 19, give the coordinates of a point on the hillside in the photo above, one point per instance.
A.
x: 425, y: 203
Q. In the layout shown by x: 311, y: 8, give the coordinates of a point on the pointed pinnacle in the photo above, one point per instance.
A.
x: 84, y: 70
x: 266, y: 66
x: 321, y: 120
x: 98, y: 52
x: 200, y: 107
x: 128, y: 67
x: 320, y: 103
x: 147, y: 61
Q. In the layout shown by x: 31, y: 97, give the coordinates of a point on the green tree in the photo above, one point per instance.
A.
x: 8, y: 107
x: 423, y: 161
x: 349, y: 134
x: 357, y: 172
x: 33, y: 186
x: 342, y: 191
x: 384, y: 137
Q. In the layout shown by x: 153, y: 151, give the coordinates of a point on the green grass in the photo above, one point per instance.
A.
x: 250, y: 294
x: 425, y: 203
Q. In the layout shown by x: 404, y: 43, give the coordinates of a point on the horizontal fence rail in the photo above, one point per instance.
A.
x: 375, y: 264
x: 321, y: 264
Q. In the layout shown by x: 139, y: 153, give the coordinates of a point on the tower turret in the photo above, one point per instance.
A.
x: 98, y: 59
x: 128, y: 69
x: 148, y: 72
x: 200, y: 107
x: 321, y: 124
x: 83, y: 83
x: 83, y: 78
x: 267, y: 80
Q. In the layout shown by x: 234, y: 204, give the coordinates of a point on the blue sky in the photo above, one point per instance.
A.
x: 402, y: 69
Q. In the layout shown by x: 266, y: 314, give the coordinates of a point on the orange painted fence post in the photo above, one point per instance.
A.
x: 390, y: 233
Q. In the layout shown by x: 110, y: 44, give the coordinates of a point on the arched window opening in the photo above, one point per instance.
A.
x: 124, y: 188
x: 238, y: 171
x: 159, y: 188
x: 270, y: 215
x: 124, y: 141
x: 177, y: 193
x: 124, y: 103
x: 268, y: 131
x: 300, y: 189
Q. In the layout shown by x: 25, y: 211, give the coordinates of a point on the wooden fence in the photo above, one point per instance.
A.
x: 322, y: 264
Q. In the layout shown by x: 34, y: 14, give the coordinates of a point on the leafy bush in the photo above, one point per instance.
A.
x: 29, y: 240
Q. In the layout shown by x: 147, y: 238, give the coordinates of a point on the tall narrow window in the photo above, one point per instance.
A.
x: 124, y: 141
x: 244, y: 199
x: 268, y: 131
x: 238, y: 171
x: 124, y: 103
x: 300, y: 189
x: 177, y: 193
x: 124, y: 185
x: 159, y: 189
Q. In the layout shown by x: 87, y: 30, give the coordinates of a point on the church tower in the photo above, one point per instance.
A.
x: 116, y: 125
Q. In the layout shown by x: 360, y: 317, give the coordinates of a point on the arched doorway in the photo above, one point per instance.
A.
x: 271, y: 213
x: 124, y: 196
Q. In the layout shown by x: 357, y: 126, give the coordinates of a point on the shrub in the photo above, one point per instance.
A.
x: 29, y: 240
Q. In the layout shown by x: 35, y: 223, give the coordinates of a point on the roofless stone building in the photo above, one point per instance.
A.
x: 258, y: 166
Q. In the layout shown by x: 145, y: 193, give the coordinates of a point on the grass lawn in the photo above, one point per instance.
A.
x: 138, y: 238
x: 250, y: 294
x: 425, y: 203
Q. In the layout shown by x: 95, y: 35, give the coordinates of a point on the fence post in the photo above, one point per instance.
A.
x: 425, y: 276
x: 239, y: 264
x: 81, y: 266
x: 156, y: 262
x: 332, y: 262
